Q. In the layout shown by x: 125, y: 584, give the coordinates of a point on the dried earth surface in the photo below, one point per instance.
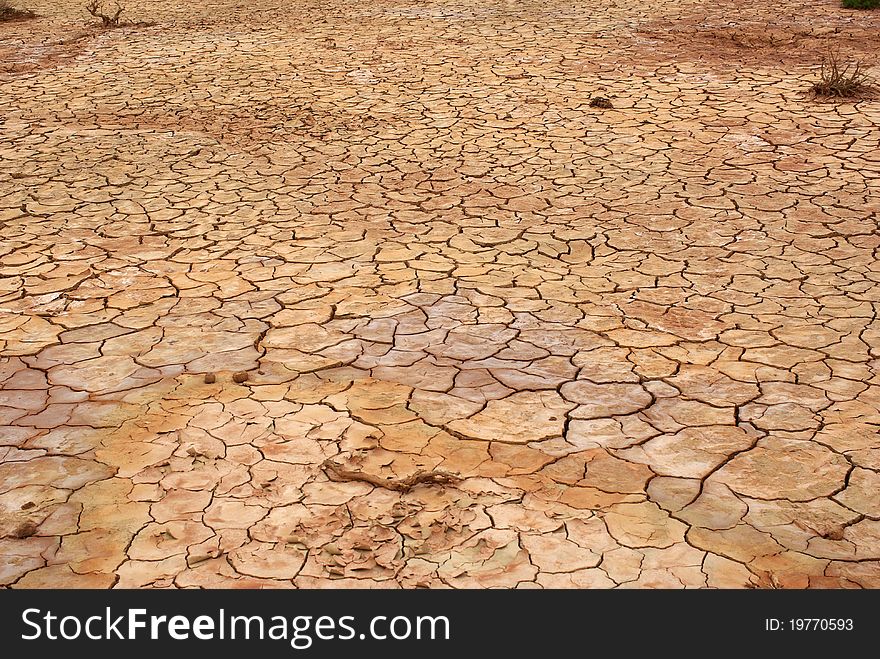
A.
x: 370, y: 295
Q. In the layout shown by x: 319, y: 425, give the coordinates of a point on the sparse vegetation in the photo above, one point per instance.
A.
x: 10, y: 13
x: 839, y: 80
x: 861, y: 4
x: 96, y: 9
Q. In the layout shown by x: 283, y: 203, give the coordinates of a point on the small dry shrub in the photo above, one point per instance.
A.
x: 10, y: 13
x: 861, y: 4
x: 96, y: 9
x: 839, y: 80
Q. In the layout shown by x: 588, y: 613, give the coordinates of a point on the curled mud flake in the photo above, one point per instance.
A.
x: 336, y: 471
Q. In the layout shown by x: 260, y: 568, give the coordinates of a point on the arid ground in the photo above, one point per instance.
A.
x: 369, y: 294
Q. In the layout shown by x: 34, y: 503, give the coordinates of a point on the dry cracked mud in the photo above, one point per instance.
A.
x: 373, y: 295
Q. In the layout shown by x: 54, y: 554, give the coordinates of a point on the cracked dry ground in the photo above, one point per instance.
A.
x: 630, y: 347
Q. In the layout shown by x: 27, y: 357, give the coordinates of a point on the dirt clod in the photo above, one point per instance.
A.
x: 24, y: 530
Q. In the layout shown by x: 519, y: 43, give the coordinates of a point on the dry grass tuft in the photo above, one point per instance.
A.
x: 839, y: 80
x: 10, y: 13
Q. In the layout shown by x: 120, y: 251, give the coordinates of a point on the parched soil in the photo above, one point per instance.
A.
x: 380, y: 295
x: 727, y: 33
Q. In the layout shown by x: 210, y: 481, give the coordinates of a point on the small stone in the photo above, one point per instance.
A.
x: 210, y: 378
x: 239, y: 377
x: 836, y: 533
x: 601, y: 102
x: 24, y: 530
